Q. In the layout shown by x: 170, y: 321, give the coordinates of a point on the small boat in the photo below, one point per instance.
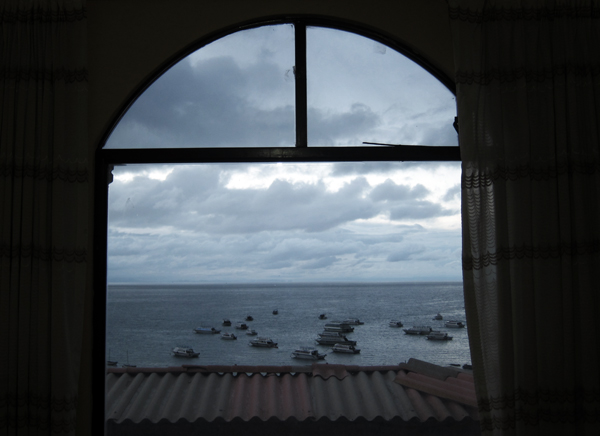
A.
x: 396, y: 324
x: 438, y: 336
x: 251, y: 332
x: 438, y: 317
x: 332, y: 338
x: 454, y: 324
x: 263, y: 342
x: 353, y: 321
x: 322, y: 316
x: 111, y: 362
x: 228, y: 336
x: 275, y: 312
x: 127, y: 365
x: 249, y: 318
x: 341, y: 348
x: 206, y: 330
x: 307, y: 353
x: 226, y: 322
x: 184, y: 351
x: 338, y: 326
x: 418, y: 330
x: 241, y: 326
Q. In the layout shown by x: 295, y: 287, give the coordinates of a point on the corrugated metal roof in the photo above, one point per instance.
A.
x: 414, y: 393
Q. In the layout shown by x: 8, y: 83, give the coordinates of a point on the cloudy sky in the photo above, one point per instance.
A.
x: 382, y: 221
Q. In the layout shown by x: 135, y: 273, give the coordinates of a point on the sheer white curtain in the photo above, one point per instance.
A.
x: 528, y: 93
x: 44, y: 193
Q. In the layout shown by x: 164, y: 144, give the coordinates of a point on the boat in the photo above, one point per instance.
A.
x: 251, y: 332
x: 438, y: 336
x: 206, y: 330
x: 332, y: 338
x: 342, y: 348
x: 275, y: 312
x: 111, y: 362
x: 226, y: 322
x: 396, y: 324
x: 241, y: 326
x: 438, y: 317
x: 418, y: 330
x: 353, y: 321
x: 228, y: 336
x: 454, y: 324
x: 184, y: 351
x: 263, y: 342
x: 307, y: 353
x: 127, y: 365
x: 322, y: 316
x: 338, y: 326
x: 249, y: 318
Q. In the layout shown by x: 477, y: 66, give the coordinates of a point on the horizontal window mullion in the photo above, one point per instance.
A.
x: 285, y: 154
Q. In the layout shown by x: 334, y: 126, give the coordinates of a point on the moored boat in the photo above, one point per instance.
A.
x: 418, y: 330
x: 241, y: 326
x: 338, y: 326
x: 352, y: 321
x: 322, y: 316
x: 332, y: 338
x: 438, y: 336
x: 275, y: 312
x: 396, y: 324
x: 184, y: 351
x: 251, y: 332
x: 438, y: 317
x: 226, y: 322
x: 454, y: 324
x: 342, y: 348
x: 307, y: 353
x: 206, y: 330
x: 249, y: 318
x: 263, y: 342
x: 228, y: 336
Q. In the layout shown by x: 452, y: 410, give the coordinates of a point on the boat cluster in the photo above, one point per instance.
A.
x: 428, y: 331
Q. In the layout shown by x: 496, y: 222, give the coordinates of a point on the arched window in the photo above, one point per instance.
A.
x: 373, y: 125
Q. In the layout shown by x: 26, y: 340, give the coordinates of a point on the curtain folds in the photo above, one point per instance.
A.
x: 528, y: 93
x: 44, y: 193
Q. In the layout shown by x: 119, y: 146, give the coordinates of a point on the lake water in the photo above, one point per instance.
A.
x: 144, y: 322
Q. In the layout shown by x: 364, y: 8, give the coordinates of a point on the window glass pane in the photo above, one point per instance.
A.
x: 362, y: 91
x: 189, y: 245
x: 235, y: 92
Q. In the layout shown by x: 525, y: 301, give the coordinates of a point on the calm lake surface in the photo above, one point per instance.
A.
x: 144, y: 322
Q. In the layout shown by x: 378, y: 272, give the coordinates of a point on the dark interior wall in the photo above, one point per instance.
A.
x: 131, y: 41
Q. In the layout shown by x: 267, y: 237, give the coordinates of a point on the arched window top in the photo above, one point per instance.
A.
x: 287, y: 85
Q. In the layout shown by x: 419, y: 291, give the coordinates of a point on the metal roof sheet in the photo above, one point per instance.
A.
x: 416, y: 392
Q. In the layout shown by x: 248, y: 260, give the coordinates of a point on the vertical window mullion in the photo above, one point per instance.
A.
x: 300, y: 80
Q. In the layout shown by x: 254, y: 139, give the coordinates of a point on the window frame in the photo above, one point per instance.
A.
x: 106, y: 159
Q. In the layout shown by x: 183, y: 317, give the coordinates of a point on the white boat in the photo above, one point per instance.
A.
x: 396, y: 324
x: 338, y: 326
x: 263, y: 342
x: 206, y: 330
x: 418, y: 330
x: 251, y: 332
x: 353, y: 321
x: 342, y: 348
x: 454, y: 324
x: 226, y: 322
x: 438, y: 336
x: 332, y: 338
x: 228, y: 336
x: 307, y: 353
x: 184, y: 351
x: 241, y: 326
x: 438, y: 317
